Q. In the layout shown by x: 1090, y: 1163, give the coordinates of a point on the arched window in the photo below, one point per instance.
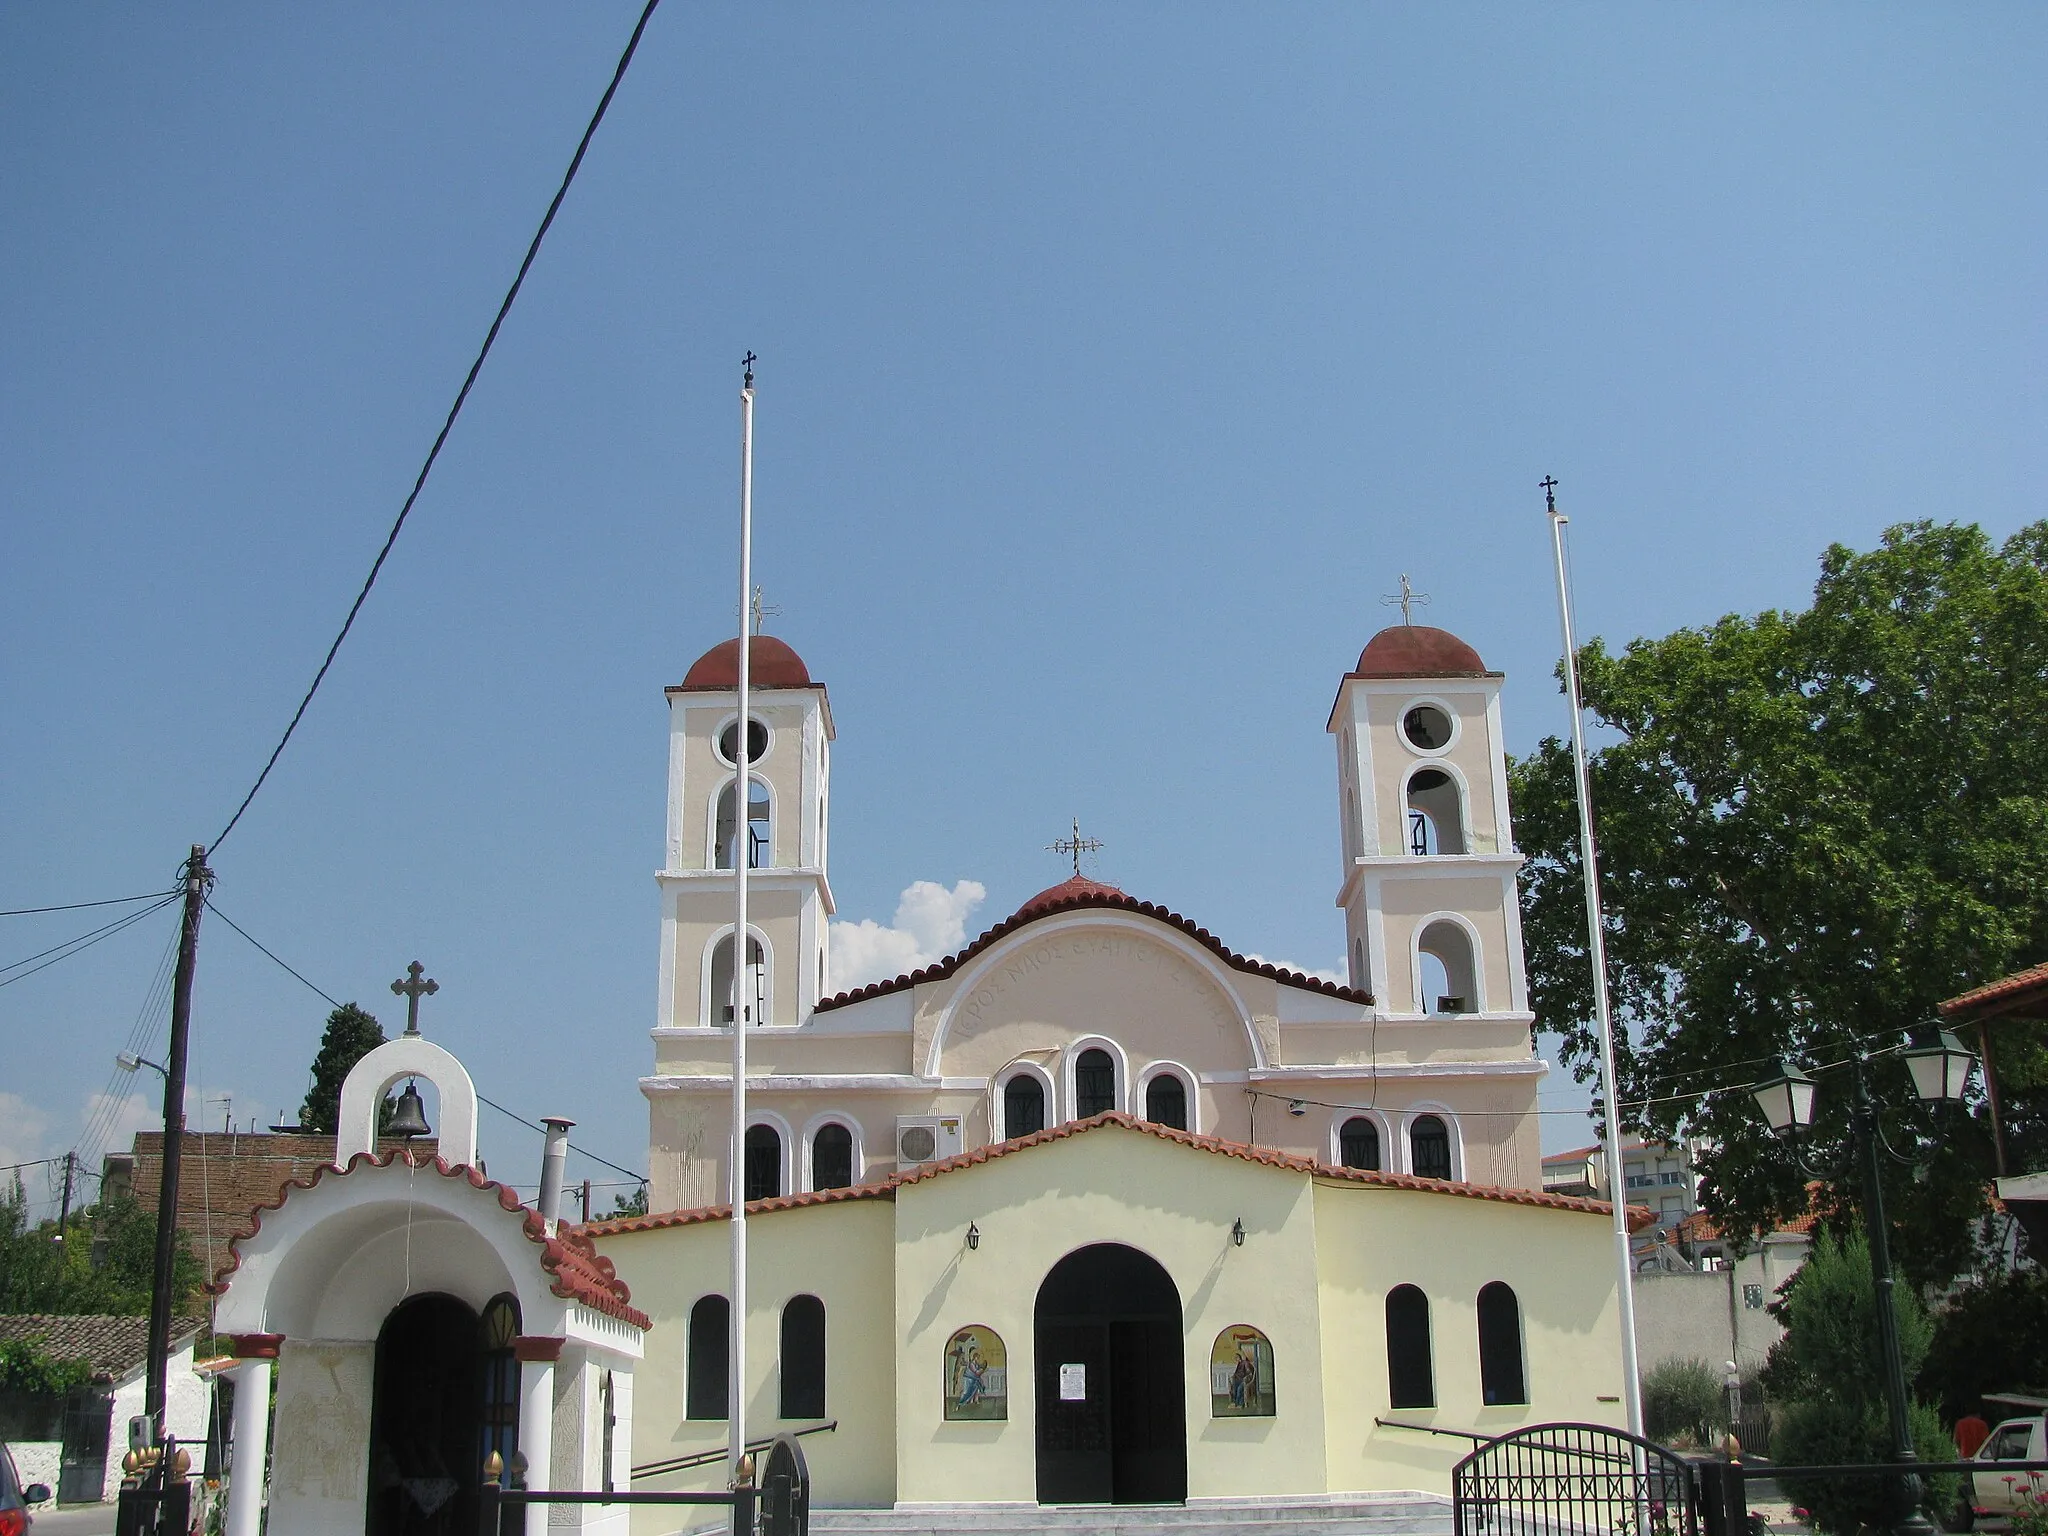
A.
x: 1166, y: 1101
x: 1358, y: 1143
x: 497, y: 1328
x: 705, y: 1375
x: 760, y: 840
x: 1448, y: 977
x: 1094, y: 1083
x: 1411, y: 1383
x: 832, y: 1157
x: 1436, y: 818
x: 1500, y: 1346
x: 763, y: 1163
x: 1023, y: 1106
x: 1429, y: 1148
x: 721, y: 981
x: 803, y: 1358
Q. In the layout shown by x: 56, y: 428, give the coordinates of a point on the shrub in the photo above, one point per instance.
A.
x: 1683, y: 1403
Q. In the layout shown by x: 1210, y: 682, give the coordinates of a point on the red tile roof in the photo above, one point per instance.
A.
x: 2024, y: 992
x: 1073, y: 895
x: 112, y: 1346
x: 770, y: 664
x: 580, y: 1273
x: 885, y: 1189
x: 1417, y: 650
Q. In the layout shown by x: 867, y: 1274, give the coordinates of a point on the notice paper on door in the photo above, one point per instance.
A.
x: 1073, y: 1383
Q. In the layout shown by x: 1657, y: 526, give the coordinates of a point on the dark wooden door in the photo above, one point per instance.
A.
x: 1074, y: 1461
x: 1148, y: 1421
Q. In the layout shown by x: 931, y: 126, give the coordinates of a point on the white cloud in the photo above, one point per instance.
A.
x: 930, y: 923
x: 22, y: 1129
x: 1335, y: 973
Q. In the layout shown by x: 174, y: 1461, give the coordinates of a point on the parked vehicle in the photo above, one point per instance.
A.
x: 1994, y: 1494
x: 15, y: 1499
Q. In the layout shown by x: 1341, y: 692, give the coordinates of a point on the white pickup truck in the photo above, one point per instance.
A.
x: 1995, y: 1494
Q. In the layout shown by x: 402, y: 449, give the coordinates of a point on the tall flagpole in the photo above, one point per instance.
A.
x: 1596, y: 949
x: 742, y: 993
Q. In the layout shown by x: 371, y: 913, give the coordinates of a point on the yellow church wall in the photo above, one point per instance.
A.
x: 769, y: 909
x: 840, y: 1253
x: 704, y: 773
x: 1404, y: 902
x: 1470, y: 756
x: 1560, y: 1265
x: 1107, y: 1185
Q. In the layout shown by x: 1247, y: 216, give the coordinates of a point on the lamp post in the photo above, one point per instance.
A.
x: 1940, y: 1072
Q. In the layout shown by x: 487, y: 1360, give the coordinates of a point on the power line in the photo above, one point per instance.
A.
x: 260, y: 945
x: 637, y: 1178
x: 84, y: 941
x: 455, y: 410
x: 73, y: 906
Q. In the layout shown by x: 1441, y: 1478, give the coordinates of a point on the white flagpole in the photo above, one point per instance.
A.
x: 742, y: 991
x: 1596, y: 948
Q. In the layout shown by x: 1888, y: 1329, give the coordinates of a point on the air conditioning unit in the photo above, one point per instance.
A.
x: 926, y: 1138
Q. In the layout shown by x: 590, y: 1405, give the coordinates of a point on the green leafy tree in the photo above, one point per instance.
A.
x: 634, y: 1204
x: 351, y: 1034
x: 1991, y: 1336
x: 1814, y: 826
x: 1683, y: 1401
x: 1827, y: 1374
x: 28, y: 1367
x: 106, y: 1264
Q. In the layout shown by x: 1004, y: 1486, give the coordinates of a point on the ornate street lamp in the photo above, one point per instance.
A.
x: 1940, y: 1073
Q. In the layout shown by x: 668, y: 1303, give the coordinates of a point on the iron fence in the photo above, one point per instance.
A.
x: 1574, y: 1480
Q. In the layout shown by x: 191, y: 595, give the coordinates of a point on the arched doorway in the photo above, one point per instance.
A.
x: 426, y: 1421
x: 1112, y: 1416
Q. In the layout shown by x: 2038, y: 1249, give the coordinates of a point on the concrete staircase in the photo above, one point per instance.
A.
x: 1376, y: 1514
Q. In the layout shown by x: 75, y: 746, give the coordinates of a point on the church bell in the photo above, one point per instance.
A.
x: 410, y: 1118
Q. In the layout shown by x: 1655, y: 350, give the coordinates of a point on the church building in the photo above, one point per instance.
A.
x: 1098, y: 1209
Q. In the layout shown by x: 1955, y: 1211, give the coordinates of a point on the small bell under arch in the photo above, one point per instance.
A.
x: 409, y: 1119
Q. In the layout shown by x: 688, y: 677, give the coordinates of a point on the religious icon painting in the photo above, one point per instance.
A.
x: 977, y: 1375
x: 1241, y: 1375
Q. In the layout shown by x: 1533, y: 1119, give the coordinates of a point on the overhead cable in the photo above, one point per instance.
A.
x: 73, y: 906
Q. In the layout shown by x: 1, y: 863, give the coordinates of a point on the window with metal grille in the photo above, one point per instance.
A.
x: 803, y: 1358
x: 764, y: 1163
x: 1500, y: 1346
x: 1429, y: 1148
x: 1023, y: 1105
x: 705, y: 1376
x: 1411, y: 1381
x: 832, y: 1157
x: 1094, y: 1083
x: 1358, y: 1143
x: 1166, y: 1101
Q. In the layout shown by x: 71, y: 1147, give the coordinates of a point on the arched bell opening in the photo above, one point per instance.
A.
x: 1112, y: 1411
x: 428, y: 1434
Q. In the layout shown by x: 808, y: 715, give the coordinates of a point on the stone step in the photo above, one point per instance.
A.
x: 1393, y: 1514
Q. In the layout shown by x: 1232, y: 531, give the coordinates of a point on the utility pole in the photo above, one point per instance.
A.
x: 64, y: 1210
x: 198, y: 880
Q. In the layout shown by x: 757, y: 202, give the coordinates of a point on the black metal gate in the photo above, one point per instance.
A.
x: 82, y: 1473
x: 1574, y: 1480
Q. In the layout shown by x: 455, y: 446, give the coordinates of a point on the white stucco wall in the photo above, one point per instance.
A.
x: 188, y: 1400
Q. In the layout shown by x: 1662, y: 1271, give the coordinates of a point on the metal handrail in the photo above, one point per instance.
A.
x: 705, y: 1458
x: 1431, y: 1429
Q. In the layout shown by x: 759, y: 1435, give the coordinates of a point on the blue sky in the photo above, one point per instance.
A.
x: 1115, y: 361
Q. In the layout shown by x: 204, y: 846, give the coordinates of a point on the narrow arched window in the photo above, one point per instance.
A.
x: 705, y: 1376
x: 497, y: 1330
x: 1447, y: 974
x: 1094, y: 1083
x: 1435, y: 817
x: 760, y: 830
x: 1166, y: 1101
x: 1411, y: 1382
x: 1429, y: 1148
x: 803, y: 1358
x: 1358, y: 1143
x: 1023, y: 1106
x: 755, y: 993
x: 1500, y: 1346
x: 763, y: 1163
x: 832, y: 1157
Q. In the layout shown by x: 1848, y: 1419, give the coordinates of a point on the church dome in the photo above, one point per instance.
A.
x: 1069, y: 889
x: 772, y: 664
x: 1417, y: 650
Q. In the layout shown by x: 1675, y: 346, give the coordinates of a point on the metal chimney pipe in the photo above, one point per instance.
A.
x: 552, y: 1160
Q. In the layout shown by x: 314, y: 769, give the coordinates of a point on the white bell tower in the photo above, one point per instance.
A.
x: 1432, y: 921
x: 781, y: 832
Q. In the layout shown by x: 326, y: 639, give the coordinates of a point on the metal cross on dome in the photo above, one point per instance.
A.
x: 1406, y: 600
x: 1076, y: 845
x: 412, y: 989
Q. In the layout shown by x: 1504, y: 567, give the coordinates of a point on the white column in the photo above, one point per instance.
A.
x: 537, y: 1433
x: 252, y: 1447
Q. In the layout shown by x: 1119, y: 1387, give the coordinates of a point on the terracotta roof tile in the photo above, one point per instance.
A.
x: 113, y: 1346
x: 2023, y: 991
x: 1417, y: 650
x: 580, y: 1273
x: 885, y: 1189
x: 1083, y: 893
x: 770, y: 664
